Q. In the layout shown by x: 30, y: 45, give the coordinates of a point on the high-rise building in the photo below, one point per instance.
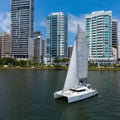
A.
x: 115, y: 37
x: 40, y: 46
x: 56, y: 31
x: 44, y: 47
x: 4, y: 45
x: 99, y: 36
x: 115, y: 53
x: 119, y: 52
x: 22, y: 18
x: 70, y: 49
x: 115, y: 33
x: 0, y: 45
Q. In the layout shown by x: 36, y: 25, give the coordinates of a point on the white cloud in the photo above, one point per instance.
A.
x: 5, y: 22
x: 43, y: 23
x: 40, y: 23
x: 73, y: 21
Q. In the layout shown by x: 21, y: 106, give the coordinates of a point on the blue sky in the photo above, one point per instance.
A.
x: 74, y: 9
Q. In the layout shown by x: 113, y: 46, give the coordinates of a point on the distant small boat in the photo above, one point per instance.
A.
x: 75, y: 89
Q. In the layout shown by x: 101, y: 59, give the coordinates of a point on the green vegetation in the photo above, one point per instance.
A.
x: 103, y: 67
x: 58, y: 64
x: 6, y: 61
x: 14, y: 63
x: 56, y: 60
x: 22, y: 64
x: 92, y: 65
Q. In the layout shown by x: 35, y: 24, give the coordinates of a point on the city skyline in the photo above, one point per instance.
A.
x: 76, y: 13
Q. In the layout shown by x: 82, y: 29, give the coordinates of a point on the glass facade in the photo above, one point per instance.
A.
x: 99, y: 34
x: 115, y: 33
x: 22, y: 15
x: 56, y: 31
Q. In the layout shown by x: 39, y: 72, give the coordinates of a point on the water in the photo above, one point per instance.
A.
x: 28, y: 95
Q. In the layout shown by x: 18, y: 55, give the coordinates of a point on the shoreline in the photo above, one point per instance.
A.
x: 103, y: 69
x: 89, y: 69
x: 30, y: 69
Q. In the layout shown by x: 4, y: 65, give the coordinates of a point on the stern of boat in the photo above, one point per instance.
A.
x: 57, y: 96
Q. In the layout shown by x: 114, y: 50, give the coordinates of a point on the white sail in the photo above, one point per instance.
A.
x: 72, y: 76
x: 78, y: 68
x: 78, y: 71
x: 82, y: 55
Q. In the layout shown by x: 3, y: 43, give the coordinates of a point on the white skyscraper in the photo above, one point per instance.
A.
x: 40, y: 46
x: 56, y: 31
x: 99, y: 36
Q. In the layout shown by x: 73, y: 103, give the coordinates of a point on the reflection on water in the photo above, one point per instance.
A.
x: 28, y: 95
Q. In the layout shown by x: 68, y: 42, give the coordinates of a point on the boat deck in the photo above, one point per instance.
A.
x: 71, y: 93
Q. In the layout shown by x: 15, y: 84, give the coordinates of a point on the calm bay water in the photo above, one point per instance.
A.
x: 28, y: 95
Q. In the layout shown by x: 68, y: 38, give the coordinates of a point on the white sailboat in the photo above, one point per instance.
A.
x: 75, y: 89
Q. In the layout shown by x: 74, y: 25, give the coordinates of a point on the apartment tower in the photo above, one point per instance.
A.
x: 4, y: 45
x: 115, y: 33
x: 22, y: 18
x: 99, y: 36
x: 56, y: 31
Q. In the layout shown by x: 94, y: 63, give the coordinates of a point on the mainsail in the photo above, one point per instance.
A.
x: 82, y: 54
x: 79, y: 61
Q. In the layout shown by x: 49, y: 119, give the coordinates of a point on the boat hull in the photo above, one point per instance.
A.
x: 75, y: 96
x: 81, y: 97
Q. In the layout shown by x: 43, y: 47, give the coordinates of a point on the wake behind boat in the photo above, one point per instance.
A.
x: 75, y: 88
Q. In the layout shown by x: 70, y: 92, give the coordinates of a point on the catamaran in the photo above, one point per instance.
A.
x: 75, y: 87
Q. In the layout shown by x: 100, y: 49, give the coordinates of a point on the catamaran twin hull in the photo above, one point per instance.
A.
x: 74, y: 96
x: 75, y: 90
